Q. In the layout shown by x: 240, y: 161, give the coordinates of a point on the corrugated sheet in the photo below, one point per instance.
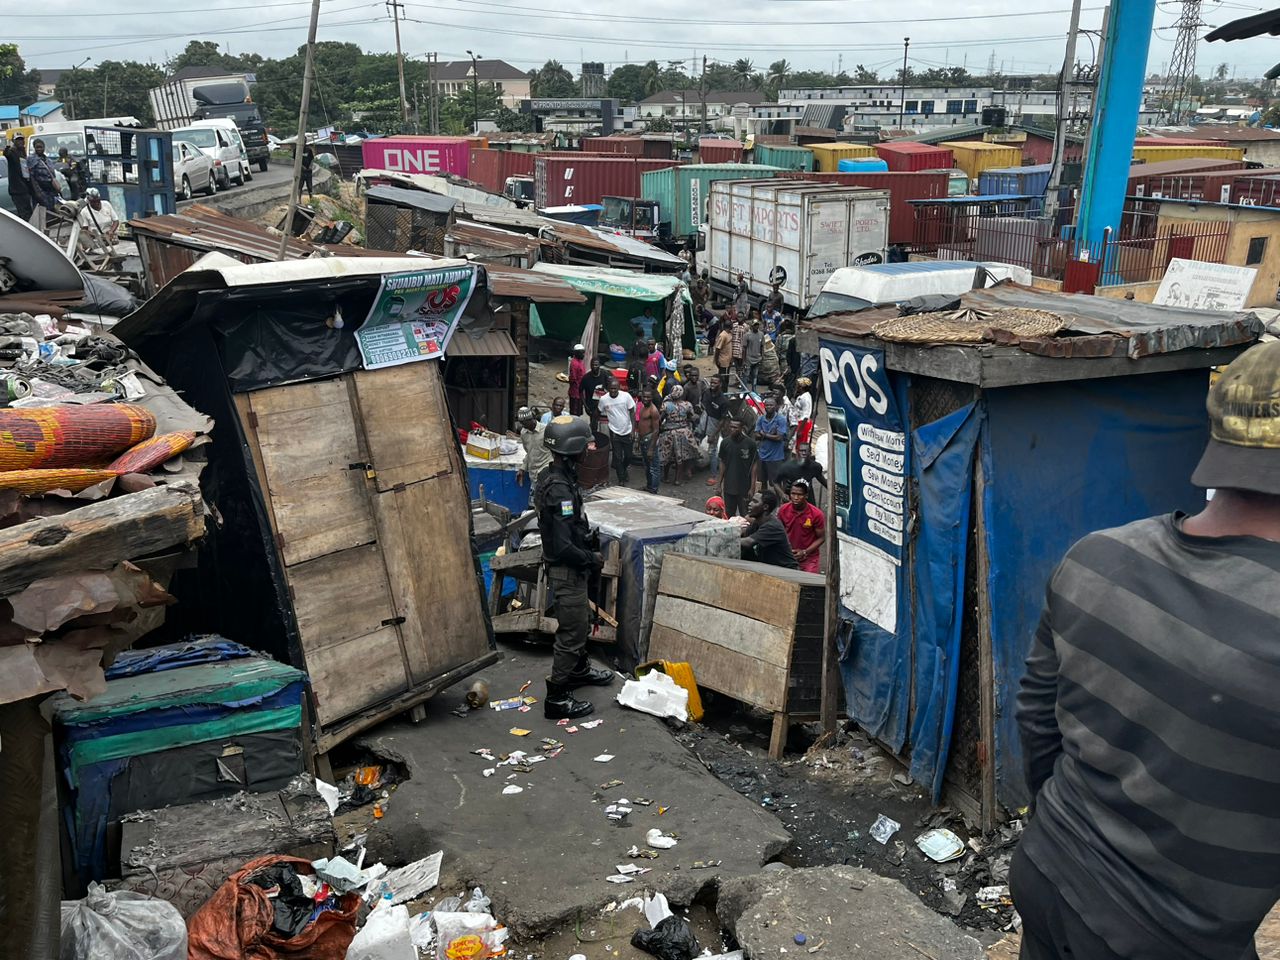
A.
x: 903, y: 156
x: 720, y: 151
x: 468, y: 233
x: 418, y: 199
x: 538, y: 287
x: 495, y: 343
x: 903, y: 187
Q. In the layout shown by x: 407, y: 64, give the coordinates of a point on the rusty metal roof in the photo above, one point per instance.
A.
x: 539, y: 287
x: 482, y: 235
x: 203, y: 228
x: 494, y: 343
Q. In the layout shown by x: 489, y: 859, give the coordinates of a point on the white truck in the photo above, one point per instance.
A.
x: 178, y: 104
x: 795, y: 233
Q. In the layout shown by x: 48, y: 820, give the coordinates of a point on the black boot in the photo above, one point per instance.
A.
x: 561, y: 704
x: 585, y: 675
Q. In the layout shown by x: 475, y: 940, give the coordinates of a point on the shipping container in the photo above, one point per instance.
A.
x: 1015, y: 181
x: 1255, y: 189
x: 827, y: 156
x: 1199, y: 152
x: 974, y: 156
x: 1143, y: 175
x: 1177, y: 142
x: 862, y: 165
x: 808, y: 230
x: 562, y: 179
x: 1210, y: 187
x: 654, y: 148
x: 491, y: 168
x: 720, y: 151
x: 907, y: 155
x: 786, y: 156
x: 429, y: 155
x: 682, y: 193
x: 903, y: 187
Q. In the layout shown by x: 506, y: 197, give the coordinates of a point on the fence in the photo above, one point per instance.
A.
x: 1017, y: 233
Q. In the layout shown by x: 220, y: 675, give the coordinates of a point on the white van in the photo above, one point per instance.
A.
x: 228, y: 126
x: 856, y: 288
x: 217, y: 144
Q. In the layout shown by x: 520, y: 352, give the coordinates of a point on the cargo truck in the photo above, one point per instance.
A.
x: 180, y: 103
x: 793, y: 233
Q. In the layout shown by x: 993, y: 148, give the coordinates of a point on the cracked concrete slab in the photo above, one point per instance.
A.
x: 841, y: 912
x: 543, y: 854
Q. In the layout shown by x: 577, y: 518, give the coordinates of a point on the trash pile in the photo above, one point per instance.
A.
x: 369, y: 784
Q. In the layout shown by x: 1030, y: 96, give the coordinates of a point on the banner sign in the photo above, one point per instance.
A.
x: 1194, y: 285
x: 414, y: 315
x: 870, y: 479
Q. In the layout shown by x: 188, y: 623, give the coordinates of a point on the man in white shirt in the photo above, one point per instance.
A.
x: 533, y: 438
x: 98, y: 221
x: 619, y: 407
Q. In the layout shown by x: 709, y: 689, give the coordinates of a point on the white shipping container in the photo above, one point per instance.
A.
x: 808, y: 229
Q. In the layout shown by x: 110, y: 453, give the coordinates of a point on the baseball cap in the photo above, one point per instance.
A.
x: 1244, y: 425
x: 524, y: 413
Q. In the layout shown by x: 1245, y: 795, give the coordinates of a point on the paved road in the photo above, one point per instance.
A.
x: 277, y: 173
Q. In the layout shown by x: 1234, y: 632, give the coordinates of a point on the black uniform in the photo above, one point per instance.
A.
x: 570, y: 560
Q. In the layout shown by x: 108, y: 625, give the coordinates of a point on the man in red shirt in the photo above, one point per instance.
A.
x: 805, y: 525
x: 577, y: 370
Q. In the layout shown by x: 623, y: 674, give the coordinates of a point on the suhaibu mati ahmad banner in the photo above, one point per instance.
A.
x: 414, y: 315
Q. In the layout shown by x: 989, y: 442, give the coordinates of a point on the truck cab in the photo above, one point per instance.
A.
x: 631, y: 216
x: 230, y: 101
x: 519, y: 189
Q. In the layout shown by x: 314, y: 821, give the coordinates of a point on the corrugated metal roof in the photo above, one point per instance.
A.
x: 538, y: 287
x: 495, y: 343
x: 481, y: 235
x: 402, y: 197
x: 943, y: 134
x: 204, y: 228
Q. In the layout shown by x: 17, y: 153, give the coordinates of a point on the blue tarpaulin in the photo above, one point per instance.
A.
x: 943, y: 453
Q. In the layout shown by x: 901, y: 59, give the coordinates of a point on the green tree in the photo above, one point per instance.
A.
x: 627, y: 83
x: 553, y: 80
x: 862, y: 75
x: 207, y: 53
x: 779, y: 73
x: 658, y: 124
x: 111, y: 89
x: 743, y: 71
x: 511, y: 121
x: 1221, y: 72
x: 651, y: 78
x: 17, y: 83
x: 458, y: 114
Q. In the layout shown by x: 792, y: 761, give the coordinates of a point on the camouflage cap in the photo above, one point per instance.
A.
x: 1244, y: 425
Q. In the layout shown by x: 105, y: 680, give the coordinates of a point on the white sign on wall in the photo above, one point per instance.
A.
x: 1195, y: 285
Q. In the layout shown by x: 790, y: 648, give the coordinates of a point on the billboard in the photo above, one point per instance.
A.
x: 418, y: 155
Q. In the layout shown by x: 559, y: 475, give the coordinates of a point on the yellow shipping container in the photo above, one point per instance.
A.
x: 1180, y: 152
x: 828, y: 155
x: 974, y: 156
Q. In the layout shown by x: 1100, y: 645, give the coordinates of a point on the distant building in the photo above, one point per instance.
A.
x: 9, y: 114
x: 593, y: 80
x: 578, y: 115
x: 455, y: 77
x: 1260, y: 145
x: 42, y: 111
x: 48, y: 83
x: 680, y: 106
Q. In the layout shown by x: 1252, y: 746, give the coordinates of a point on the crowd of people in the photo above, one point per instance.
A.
x: 37, y: 183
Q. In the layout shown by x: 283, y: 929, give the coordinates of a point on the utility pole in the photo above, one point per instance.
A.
x: 475, y: 91
x: 300, y: 144
x: 395, y: 7
x: 1066, y: 104
x: 431, y: 92
x: 902, y: 105
x: 702, y: 95
x: 105, y: 71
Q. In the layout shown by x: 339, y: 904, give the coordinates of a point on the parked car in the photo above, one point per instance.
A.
x: 192, y: 170
x: 232, y: 133
x: 217, y: 146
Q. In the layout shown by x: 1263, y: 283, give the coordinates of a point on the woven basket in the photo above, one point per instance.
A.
x: 70, y: 436
x: 35, y: 482
x: 968, y: 326
x: 149, y: 454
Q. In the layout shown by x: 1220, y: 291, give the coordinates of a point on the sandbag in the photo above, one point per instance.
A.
x: 71, y: 435
x: 236, y: 922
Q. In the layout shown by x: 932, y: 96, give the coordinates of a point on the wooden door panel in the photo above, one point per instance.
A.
x: 406, y: 423
x: 348, y: 676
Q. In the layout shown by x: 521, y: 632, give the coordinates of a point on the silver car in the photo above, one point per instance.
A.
x: 192, y: 170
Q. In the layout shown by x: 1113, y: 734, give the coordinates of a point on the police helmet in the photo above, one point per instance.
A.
x: 567, y: 436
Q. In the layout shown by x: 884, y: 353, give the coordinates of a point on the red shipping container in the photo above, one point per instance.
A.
x: 567, y: 179
x: 720, y: 151
x: 1261, y: 190
x: 903, y: 187
x: 1209, y: 187
x: 653, y: 148
x: 910, y: 156
x: 413, y: 154
x: 1143, y: 175
x: 490, y: 168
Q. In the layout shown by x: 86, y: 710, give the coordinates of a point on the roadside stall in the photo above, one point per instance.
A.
x: 971, y: 449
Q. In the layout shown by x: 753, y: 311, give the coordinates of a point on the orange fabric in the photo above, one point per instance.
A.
x: 149, y: 454
x: 70, y: 435
x: 235, y: 923
x: 35, y: 482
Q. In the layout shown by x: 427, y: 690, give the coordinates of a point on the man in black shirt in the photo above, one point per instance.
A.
x: 15, y: 155
x: 716, y: 406
x: 805, y: 467
x: 765, y: 540
x: 594, y: 379
x: 739, y: 469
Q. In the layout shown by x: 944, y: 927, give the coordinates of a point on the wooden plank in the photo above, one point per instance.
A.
x: 100, y: 535
x: 409, y: 434
x: 724, y: 628
x: 524, y: 621
x: 721, y: 669
x: 339, y: 597
x: 753, y: 593
x: 350, y: 675
x: 986, y: 661
x: 322, y: 515
x: 778, y: 736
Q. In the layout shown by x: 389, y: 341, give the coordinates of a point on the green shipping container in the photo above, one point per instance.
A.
x: 682, y: 192
x: 786, y: 157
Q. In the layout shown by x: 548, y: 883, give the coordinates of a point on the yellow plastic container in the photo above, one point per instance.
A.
x: 974, y: 156
x: 682, y: 674
x: 827, y: 156
x: 1181, y: 152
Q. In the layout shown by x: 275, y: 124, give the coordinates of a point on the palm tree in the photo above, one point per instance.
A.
x: 779, y: 70
x: 651, y: 77
x: 742, y: 70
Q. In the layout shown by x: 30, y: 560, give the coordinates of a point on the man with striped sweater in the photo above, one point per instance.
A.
x: 1150, y: 715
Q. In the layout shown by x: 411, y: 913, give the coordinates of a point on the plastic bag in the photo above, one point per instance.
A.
x: 478, y: 903
x: 468, y: 936
x: 122, y: 926
x: 385, y: 936
x: 671, y: 939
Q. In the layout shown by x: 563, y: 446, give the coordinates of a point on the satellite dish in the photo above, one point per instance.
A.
x: 777, y: 276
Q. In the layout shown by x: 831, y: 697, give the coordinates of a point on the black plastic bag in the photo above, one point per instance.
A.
x: 671, y: 939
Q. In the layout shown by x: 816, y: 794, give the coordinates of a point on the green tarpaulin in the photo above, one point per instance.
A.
x: 624, y: 297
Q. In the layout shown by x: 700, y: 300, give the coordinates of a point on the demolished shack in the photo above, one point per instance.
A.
x: 972, y: 445
x: 345, y: 542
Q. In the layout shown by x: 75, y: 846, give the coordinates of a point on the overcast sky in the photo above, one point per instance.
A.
x: 1023, y: 37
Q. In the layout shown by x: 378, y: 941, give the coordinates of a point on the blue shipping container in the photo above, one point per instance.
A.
x: 1025, y: 181
x: 862, y: 165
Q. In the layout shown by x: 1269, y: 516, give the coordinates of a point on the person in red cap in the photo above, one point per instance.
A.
x: 1149, y: 717
x: 577, y: 370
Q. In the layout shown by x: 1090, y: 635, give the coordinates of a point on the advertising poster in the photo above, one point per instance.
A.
x: 414, y: 315
x: 1194, y: 285
x: 870, y: 482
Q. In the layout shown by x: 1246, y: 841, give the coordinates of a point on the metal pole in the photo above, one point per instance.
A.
x: 308, y: 76
x: 902, y: 106
x: 395, y: 6
x: 1065, y: 86
x: 702, y: 94
x: 475, y: 93
x: 830, y: 652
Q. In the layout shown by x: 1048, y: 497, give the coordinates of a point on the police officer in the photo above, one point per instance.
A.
x: 571, y: 555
